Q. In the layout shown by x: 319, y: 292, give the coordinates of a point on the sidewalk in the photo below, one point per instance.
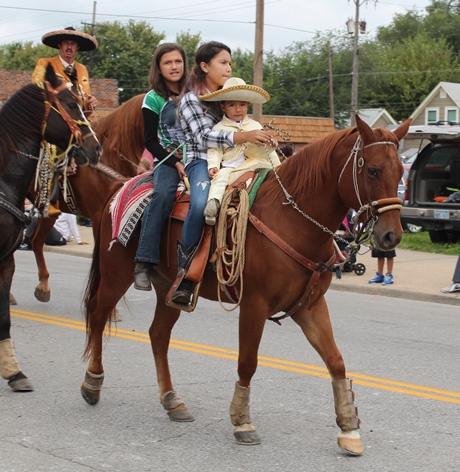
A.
x: 417, y: 275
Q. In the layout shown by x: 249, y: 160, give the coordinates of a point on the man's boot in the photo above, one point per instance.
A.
x: 142, y: 271
x: 184, y: 292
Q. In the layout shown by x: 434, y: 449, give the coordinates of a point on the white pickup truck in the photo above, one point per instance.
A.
x: 434, y: 182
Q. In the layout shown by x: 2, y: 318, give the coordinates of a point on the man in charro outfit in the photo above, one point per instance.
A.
x: 69, y: 41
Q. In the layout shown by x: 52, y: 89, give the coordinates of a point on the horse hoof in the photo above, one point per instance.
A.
x: 91, y: 398
x: 181, y: 415
x: 246, y: 435
x: 20, y: 383
x: 12, y: 300
x: 350, y: 442
x: 42, y: 296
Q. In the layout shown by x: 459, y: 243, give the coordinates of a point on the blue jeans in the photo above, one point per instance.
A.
x: 165, y: 180
x: 197, y: 173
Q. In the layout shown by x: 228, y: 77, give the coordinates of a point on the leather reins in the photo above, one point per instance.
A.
x: 373, y: 208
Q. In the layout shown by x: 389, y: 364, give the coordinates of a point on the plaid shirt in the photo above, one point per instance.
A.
x: 197, y: 122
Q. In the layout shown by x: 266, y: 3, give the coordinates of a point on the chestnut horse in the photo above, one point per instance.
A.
x: 121, y: 135
x: 353, y: 168
x: 35, y: 114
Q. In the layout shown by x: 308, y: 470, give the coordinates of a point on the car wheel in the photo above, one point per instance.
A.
x: 443, y: 236
x: 438, y: 236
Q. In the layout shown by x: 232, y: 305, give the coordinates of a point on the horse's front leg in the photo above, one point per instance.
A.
x: 37, y: 240
x: 316, y: 325
x: 9, y: 367
x: 251, y: 327
x: 160, y: 335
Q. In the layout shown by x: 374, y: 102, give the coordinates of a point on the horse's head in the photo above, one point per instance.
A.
x: 373, y: 171
x: 65, y: 124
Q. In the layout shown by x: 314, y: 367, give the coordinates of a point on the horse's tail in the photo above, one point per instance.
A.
x: 94, y: 279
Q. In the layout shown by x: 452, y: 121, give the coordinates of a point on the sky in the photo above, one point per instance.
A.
x: 231, y: 22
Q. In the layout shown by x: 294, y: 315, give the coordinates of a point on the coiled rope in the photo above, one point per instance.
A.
x: 230, y: 254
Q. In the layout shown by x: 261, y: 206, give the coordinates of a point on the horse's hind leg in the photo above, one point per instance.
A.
x: 316, y: 325
x: 9, y: 367
x: 160, y: 335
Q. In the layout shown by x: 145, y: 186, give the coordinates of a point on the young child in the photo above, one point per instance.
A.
x: 226, y: 165
x: 381, y: 256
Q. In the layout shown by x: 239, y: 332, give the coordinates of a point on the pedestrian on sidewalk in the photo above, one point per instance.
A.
x: 381, y: 256
x: 455, y: 285
x: 66, y: 224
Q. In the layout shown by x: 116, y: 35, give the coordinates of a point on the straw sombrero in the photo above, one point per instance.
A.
x: 85, y: 41
x: 237, y: 89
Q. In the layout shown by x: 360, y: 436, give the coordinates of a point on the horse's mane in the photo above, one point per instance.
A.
x: 19, y: 117
x: 121, y: 133
x: 310, y: 164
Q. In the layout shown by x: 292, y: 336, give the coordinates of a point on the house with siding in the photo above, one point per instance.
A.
x: 441, y: 105
x: 301, y: 129
x: 376, y: 117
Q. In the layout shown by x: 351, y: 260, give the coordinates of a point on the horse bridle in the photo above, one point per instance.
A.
x: 74, y: 125
x: 373, y: 208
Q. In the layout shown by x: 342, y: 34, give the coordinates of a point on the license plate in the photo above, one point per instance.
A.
x: 441, y: 214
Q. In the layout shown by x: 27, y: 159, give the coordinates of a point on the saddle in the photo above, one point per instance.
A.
x: 206, y: 244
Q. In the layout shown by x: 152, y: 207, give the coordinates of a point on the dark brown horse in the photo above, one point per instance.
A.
x: 121, y: 135
x: 354, y: 168
x: 37, y: 113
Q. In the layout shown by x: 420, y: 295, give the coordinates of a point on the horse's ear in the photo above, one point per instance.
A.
x: 365, y: 131
x: 401, y: 131
x: 51, y: 77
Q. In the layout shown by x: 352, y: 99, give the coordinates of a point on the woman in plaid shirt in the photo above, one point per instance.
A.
x: 212, y: 69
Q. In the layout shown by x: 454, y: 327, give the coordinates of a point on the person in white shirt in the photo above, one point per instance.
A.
x: 66, y: 224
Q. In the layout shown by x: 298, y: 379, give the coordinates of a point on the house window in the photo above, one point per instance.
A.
x: 452, y: 115
x: 431, y: 116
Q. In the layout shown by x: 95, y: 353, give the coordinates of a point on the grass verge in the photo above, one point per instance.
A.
x: 421, y: 242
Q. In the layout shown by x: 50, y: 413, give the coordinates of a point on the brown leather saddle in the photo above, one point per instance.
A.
x: 205, y: 246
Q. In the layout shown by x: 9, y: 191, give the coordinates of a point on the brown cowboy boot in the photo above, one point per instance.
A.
x: 142, y: 271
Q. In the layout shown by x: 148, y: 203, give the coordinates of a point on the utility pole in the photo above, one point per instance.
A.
x: 355, y: 27
x: 331, y: 85
x: 258, y: 57
x: 93, y: 25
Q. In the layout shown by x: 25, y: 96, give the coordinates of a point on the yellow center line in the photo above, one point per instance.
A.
x: 281, y: 364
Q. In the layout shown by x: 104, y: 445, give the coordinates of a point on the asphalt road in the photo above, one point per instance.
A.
x: 402, y: 355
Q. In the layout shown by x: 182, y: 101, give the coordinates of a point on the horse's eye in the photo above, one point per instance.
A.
x: 372, y: 172
x: 72, y: 105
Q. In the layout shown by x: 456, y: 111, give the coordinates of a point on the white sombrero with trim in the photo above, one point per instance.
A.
x: 85, y: 41
x: 237, y: 89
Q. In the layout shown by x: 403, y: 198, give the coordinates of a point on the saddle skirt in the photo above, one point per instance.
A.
x: 130, y: 201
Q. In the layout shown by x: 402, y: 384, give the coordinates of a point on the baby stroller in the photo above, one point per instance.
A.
x: 343, y: 237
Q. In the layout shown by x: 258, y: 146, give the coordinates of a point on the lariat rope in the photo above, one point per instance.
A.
x: 230, y: 258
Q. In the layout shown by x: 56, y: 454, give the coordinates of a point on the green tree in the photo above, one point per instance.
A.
x: 409, y: 71
x: 190, y: 43
x: 124, y: 53
x: 23, y: 56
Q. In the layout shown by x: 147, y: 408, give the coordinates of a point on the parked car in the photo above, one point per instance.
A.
x: 402, y: 190
x: 434, y: 183
x: 407, y: 164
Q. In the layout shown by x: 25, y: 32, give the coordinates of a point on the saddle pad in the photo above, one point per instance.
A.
x: 128, y: 205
